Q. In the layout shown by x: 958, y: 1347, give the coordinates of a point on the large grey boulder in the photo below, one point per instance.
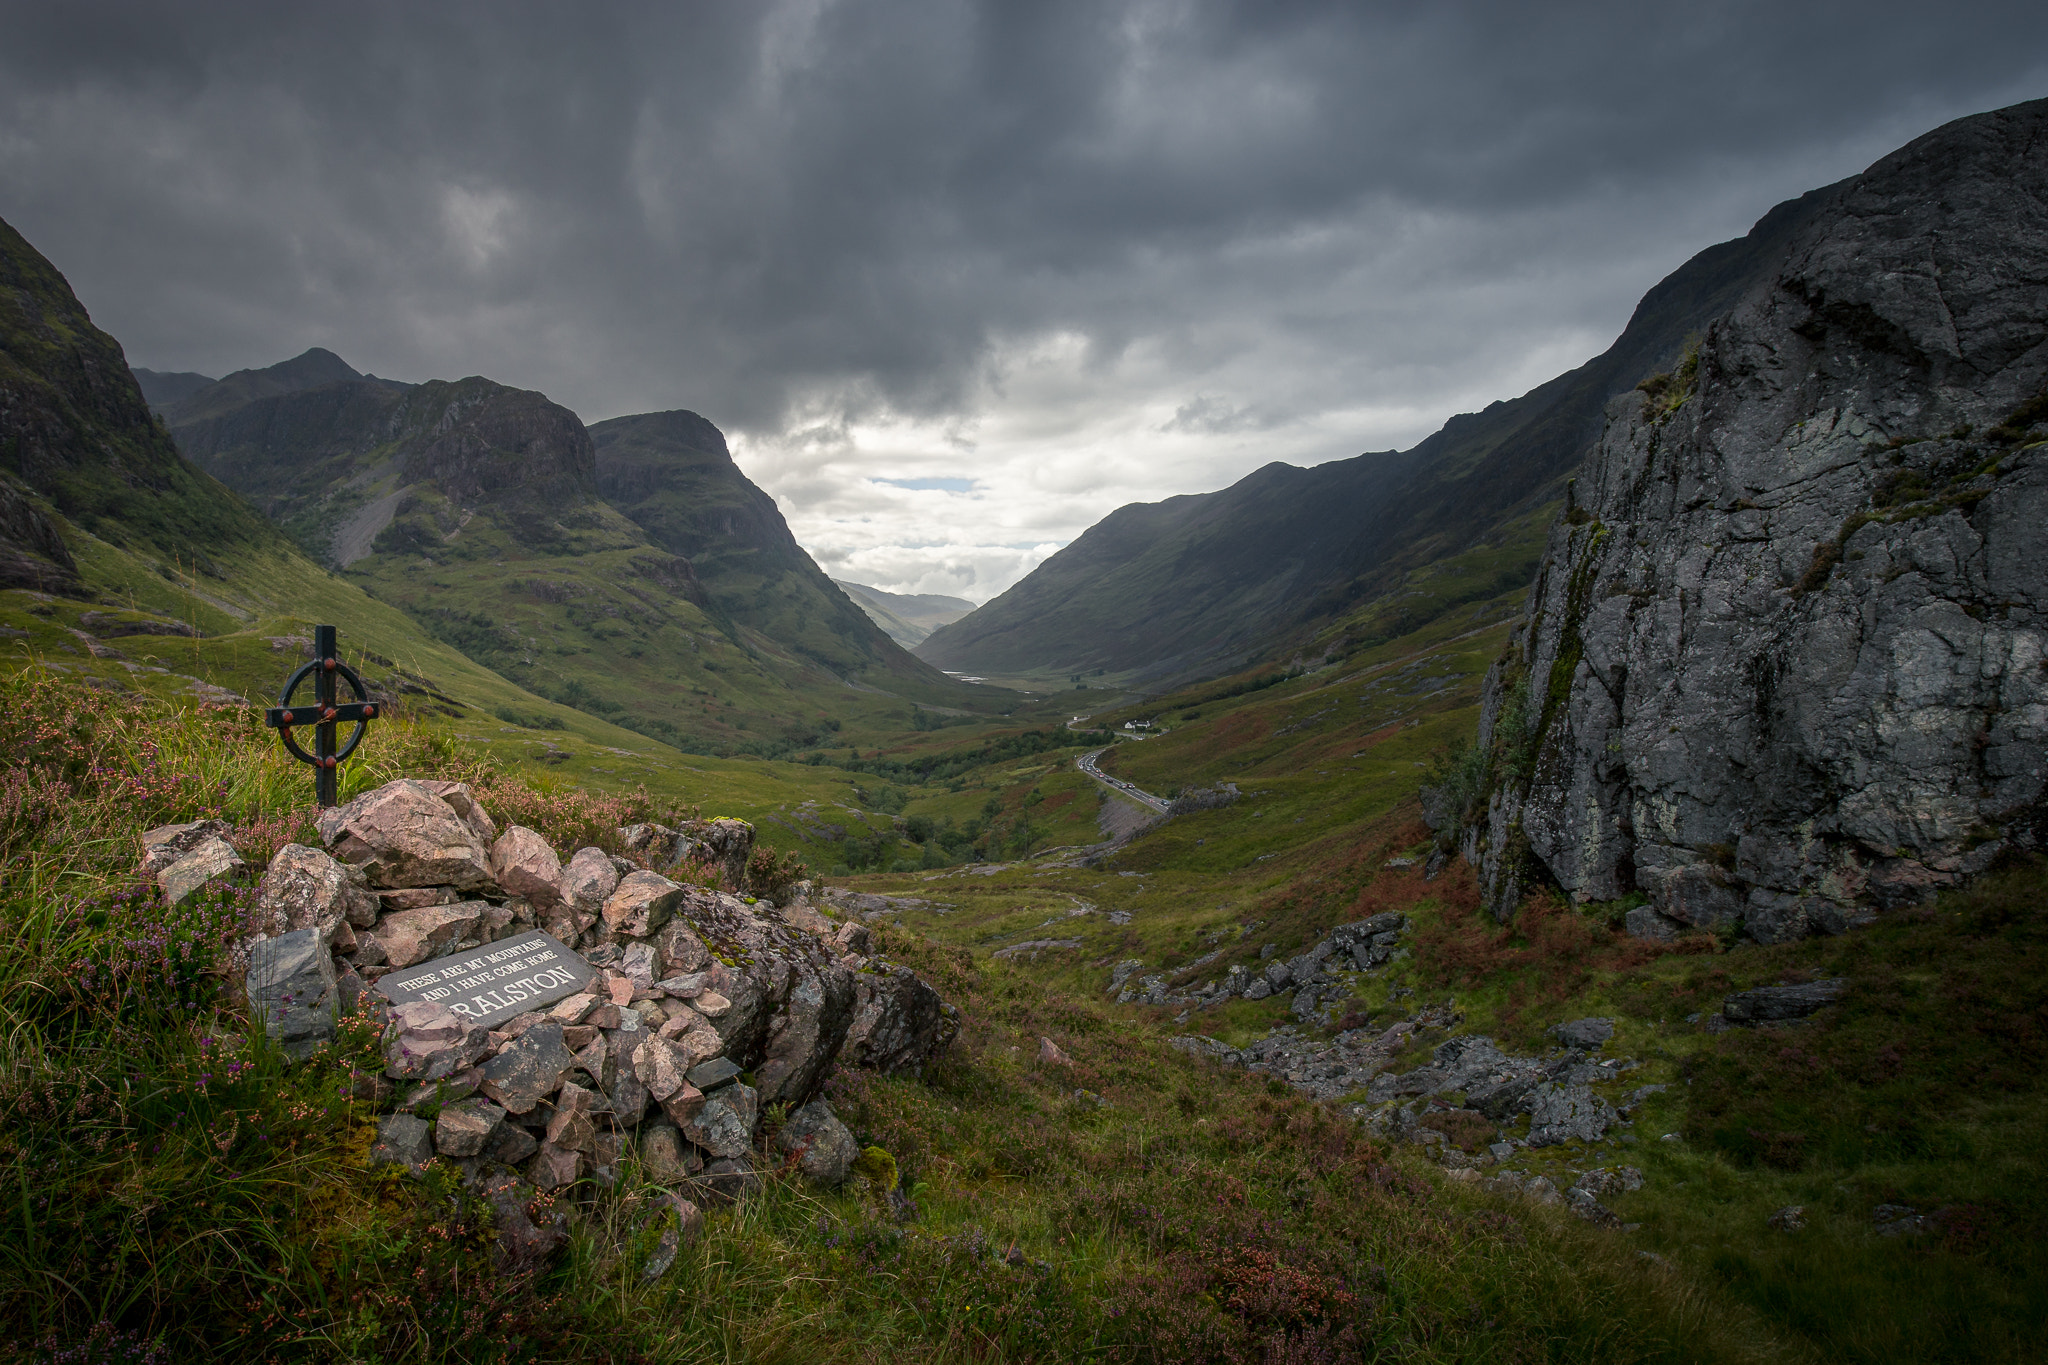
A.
x: 290, y: 986
x: 1772, y: 1004
x: 1584, y: 1033
x: 1788, y: 637
x: 724, y: 1124
x: 824, y: 1148
x: 403, y: 1140
x: 529, y: 1068
x: 783, y: 1006
x: 411, y: 833
x: 1563, y: 1113
x: 900, y: 1024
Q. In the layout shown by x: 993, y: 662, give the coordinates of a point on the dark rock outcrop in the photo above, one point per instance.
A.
x: 1774, y: 1004
x: 1783, y: 666
x: 32, y: 552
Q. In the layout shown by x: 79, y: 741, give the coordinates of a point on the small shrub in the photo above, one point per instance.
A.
x: 770, y: 872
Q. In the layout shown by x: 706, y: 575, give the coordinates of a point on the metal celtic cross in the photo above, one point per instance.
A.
x: 324, y: 714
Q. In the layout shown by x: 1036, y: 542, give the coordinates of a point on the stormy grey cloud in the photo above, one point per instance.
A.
x: 958, y: 278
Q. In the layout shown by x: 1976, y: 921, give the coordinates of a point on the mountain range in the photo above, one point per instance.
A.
x: 628, y: 569
x: 1158, y: 593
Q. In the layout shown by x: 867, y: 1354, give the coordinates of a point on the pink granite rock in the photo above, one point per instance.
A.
x: 641, y: 904
x: 409, y: 834
x: 304, y: 888
x: 587, y: 880
x: 524, y: 865
x: 412, y: 936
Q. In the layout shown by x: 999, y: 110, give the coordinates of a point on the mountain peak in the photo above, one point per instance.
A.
x: 313, y: 368
x: 676, y: 427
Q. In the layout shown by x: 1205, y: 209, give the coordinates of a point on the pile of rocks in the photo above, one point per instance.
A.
x: 1469, y: 1081
x: 665, y: 1020
x: 1583, y: 1198
x: 1316, y: 976
x: 1323, y: 1069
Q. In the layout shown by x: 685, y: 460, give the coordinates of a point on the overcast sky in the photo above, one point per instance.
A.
x: 956, y: 278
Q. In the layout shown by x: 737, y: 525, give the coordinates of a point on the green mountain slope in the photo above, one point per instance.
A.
x: 1191, y: 585
x: 907, y: 617
x: 671, y: 474
x: 692, y: 617
x: 124, y: 566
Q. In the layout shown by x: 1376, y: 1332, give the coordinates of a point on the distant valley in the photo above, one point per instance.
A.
x: 908, y: 618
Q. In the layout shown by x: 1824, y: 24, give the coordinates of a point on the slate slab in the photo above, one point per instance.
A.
x: 1769, y: 1004
x: 709, y: 1076
x: 528, y: 1069
x: 496, y: 982
x: 1584, y: 1033
x: 291, y: 987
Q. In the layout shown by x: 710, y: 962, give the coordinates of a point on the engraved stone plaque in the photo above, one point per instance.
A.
x: 491, y: 984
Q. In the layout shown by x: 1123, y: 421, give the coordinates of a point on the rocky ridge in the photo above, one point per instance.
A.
x: 1472, y: 1105
x: 705, y: 1007
x: 1783, y: 666
x: 1317, y: 976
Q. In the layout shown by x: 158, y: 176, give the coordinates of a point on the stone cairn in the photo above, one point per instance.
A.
x: 702, y: 1009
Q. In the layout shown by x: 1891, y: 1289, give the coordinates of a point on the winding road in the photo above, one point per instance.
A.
x: 1086, y: 763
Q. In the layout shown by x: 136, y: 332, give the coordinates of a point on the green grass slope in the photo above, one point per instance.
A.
x: 1924, y: 1088
x: 185, y: 1192
x: 1132, y: 1205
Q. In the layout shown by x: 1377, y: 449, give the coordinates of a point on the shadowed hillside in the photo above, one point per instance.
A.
x: 1160, y: 591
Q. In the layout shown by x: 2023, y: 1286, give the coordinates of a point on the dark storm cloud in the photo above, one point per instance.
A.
x: 802, y: 217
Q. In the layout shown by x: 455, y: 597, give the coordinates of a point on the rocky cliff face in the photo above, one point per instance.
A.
x: 338, y: 462
x: 1786, y: 662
